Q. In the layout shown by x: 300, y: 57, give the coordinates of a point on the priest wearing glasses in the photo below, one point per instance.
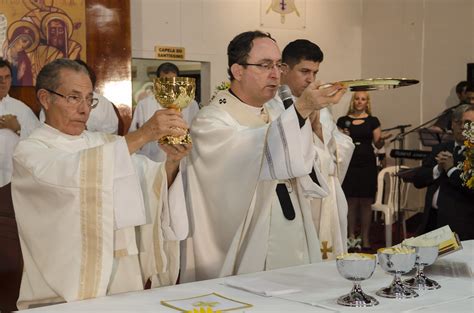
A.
x: 249, y: 170
x: 94, y: 218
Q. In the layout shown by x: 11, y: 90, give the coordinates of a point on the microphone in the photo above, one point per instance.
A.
x: 285, y: 94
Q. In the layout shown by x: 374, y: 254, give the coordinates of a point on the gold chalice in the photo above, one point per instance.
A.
x: 174, y: 93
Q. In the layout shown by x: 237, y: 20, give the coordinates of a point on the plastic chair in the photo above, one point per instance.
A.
x: 388, y: 181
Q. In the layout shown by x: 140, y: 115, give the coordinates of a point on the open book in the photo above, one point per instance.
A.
x: 447, y: 240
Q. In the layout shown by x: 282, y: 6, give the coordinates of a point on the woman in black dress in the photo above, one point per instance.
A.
x: 360, y: 183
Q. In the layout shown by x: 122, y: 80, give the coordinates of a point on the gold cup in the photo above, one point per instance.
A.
x: 174, y: 93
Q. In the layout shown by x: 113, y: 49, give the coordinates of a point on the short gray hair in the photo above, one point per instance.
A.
x: 460, y: 110
x: 49, y: 77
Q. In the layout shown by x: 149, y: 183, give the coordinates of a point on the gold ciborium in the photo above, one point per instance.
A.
x: 174, y: 93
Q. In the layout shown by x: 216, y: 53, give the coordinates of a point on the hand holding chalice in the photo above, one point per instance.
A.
x: 174, y: 93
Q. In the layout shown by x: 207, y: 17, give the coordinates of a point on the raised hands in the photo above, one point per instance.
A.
x: 162, y: 123
x: 316, y: 98
x: 445, y: 160
x: 174, y: 153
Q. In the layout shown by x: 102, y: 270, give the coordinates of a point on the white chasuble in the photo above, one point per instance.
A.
x: 90, y: 222
x: 330, y: 213
x: 236, y: 218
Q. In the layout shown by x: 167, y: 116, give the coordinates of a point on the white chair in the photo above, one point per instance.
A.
x: 388, y: 205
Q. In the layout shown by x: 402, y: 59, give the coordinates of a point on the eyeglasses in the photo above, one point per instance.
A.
x: 76, y: 100
x: 267, y: 66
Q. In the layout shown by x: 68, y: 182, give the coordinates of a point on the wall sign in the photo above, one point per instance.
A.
x: 169, y: 53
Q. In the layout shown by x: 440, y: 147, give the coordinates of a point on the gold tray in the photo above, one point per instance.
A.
x: 375, y: 83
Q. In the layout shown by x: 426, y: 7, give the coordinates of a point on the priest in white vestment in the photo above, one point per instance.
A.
x: 93, y: 218
x: 17, y: 121
x: 302, y: 59
x: 244, y: 150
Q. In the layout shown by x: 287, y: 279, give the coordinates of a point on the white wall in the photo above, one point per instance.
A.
x: 429, y: 40
x: 205, y: 27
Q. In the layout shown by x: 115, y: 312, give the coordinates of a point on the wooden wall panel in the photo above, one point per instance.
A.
x: 108, y: 48
x: 27, y: 95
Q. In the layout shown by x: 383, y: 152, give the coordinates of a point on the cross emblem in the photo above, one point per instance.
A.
x: 222, y: 101
x: 325, y: 249
x: 283, y: 5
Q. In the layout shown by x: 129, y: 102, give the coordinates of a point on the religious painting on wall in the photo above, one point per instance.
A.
x: 36, y: 32
x: 285, y: 14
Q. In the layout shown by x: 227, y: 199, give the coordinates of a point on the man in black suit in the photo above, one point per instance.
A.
x: 446, y: 197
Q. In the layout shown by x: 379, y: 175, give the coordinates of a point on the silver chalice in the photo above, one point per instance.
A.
x: 397, y: 261
x: 425, y: 256
x: 356, y: 267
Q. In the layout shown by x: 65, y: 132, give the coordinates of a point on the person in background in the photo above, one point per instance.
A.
x: 360, y: 183
x: 147, y: 107
x: 17, y: 121
x: 447, y: 201
x: 443, y: 123
x: 470, y: 94
x: 248, y: 172
x: 93, y: 217
x: 301, y: 61
x: 104, y: 117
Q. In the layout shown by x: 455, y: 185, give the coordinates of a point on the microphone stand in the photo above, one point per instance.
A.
x: 403, y: 134
x: 400, y: 138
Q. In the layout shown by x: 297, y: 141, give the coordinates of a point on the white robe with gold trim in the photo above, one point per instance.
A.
x: 330, y: 213
x: 236, y: 219
x: 92, y: 219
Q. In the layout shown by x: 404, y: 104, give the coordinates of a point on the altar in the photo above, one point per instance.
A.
x: 308, y: 288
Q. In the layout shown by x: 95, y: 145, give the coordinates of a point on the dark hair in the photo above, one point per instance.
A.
x: 470, y: 87
x: 461, y: 86
x: 166, y: 68
x: 301, y: 49
x: 239, y: 48
x: 49, y: 77
x: 5, y: 63
x: 90, y: 70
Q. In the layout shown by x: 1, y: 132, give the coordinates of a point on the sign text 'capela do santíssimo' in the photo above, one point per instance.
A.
x: 168, y: 52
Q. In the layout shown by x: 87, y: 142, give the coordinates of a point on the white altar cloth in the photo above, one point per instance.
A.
x: 317, y: 288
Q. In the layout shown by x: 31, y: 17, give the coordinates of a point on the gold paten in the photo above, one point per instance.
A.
x: 375, y: 83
